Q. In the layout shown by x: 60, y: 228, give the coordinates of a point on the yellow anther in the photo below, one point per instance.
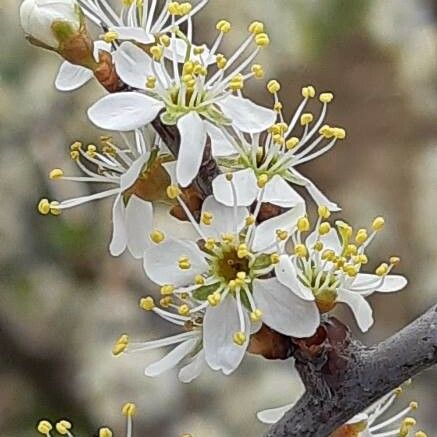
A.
x: 318, y: 245
x: 184, y: 263
x: 185, y: 8
x: 221, y: 61
x: 188, y: 68
x: 327, y: 131
x: 74, y: 155
x: 237, y: 82
x: 414, y: 405
x: 166, y: 301
x: 341, y: 261
x: 63, y: 427
x: 239, y: 338
x: 303, y: 224
x: 282, y: 235
x: 110, y: 36
x: 214, y: 299
x: 157, y: 236
x: 324, y: 228
x: 351, y: 249
x: 262, y: 40
x: 223, y: 26
x: 105, y: 432
x: 184, y: 310
x: 156, y: 52
x: 147, y: 303
x: 256, y: 315
x: 323, y: 212
x: 242, y: 251
x: 228, y: 238
x: 44, y: 427
x: 398, y: 391
x: 44, y: 207
x: 258, y: 71
x: 308, y: 92
x: 173, y: 8
x: 198, y: 51
x: 199, y: 280
x: 129, y: 409
x: 406, y: 426
x: 56, y: 173
x: 378, y: 223
x: 165, y: 40
x: 55, y: 208
x: 395, y: 260
x: 229, y: 177
x: 328, y: 255
x: 273, y: 86
x: 262, y: 180
x: 210, y: 244
x: 351, y: 271
x: 382, y: 269
x: 326, y: 97
x: 187, y: 78
x: 274, y: 258
x: 120, y: 345
x: 256, y: 27
x: 250, y: 220
x: 421, y: 434
x: 300, y: 250
x: 306, y: 118
x: 361, y: 236
x: 241, y: 276
x: 278, y: 106
x: 151, y: 82
x: 76, y: 146
x: 207, y: 218
x: 292, y: 142
x: 173, y: 192
x: 344, y: 229
x: 361, y: 259
x: 339, y: 133
x: 167, y: 290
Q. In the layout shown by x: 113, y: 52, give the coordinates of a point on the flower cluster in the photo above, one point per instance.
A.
x: 255, y: 259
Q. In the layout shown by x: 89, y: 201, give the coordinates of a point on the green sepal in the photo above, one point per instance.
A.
x: 202, y: 292
x: 262, y: 262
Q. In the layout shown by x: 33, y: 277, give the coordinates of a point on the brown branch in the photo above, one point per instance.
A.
x: 343, y: 377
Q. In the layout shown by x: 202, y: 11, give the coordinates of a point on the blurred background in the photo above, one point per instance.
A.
x: 64, y: 300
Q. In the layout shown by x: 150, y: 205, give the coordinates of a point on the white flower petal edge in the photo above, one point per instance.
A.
x: 390, y: 284
x: 283, y: 311
x: 219, y: 325
x: 246, y: 115
x: 119, y: 235
x: 139, y: 220
x: 193, y: 370
x: 287, y: 275
x: 193, y: 138
x: 124, y: 111
x: 220, y: 145
x: 133, y: 33
x: 273, y: 415
x: 71, y: 77
x: 279, y: 192
x: 360, y: 307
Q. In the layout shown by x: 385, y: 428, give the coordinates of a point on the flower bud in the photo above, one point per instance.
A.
x: 48, y: 22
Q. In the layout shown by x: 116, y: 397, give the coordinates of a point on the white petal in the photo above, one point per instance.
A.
x: 219, y: 326
x: 161, y: 262
x: 192, y: 370
x: 172, y: 359
x: 360, y: 307
x: 245, y: 187
x: 329, y: 240
x: 273, y: 415
x: 265, y: 233
x: 224, y: 218
x: 129, y: 178
x: 179, y: 46
x: 170, y: 168
x: 193, y: 139
x: 133, y: 65
x: 361, y: 417
x: 283, y: 311
x: 100, y: 46
x: 279, y: 192
x: 220, y: 144
x: 119, y: 236
x: 139, y: 221
x: 124, y: 111
x: 391, y: 282
x: 133, y: 33
x: 246, y: 115
x: 287, y: 275
x: 71, y: 77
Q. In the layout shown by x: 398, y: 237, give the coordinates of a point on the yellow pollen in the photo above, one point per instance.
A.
x: 210, y: 244
x: 184, y: 263
x: 147, y: 303
x: 328, y: 255
x: 326, y: 97
x: 281, y: 235
x: 54, y: 208
x: 258, y: 71
x: 274, y: 258
x: 242, y: 251
x: 406, y: 426
x: 273, y: 86
x: 184, y: 310
x: 256, y: 27
x: 362, y: 259
x: 250, y: 220
x: 300, y: 250
x: 188, y: 68
x: 256, y: 315
x: 223, y: 26
x: 156, y: 52
x: 228, y: 238
x: 76, y: 146
x: 129, y: 409
x: 318, y: 245
x: 241, y: 276
x: 262, y: 180
x: 167, y: 290
x: 382, y: 269
x: 120, y: 345
x: 185, y: 8
x: 306, y: 119
x: 110, y: 36
x: 262, y: 40
x: 207, y: 218
x: 421, y: 434
x: 324, y: 228
x: 378, y: 223
x: 56, y: 173
x: 63, y: 427
x: 165, y: 40
x: 229, y: 177
x: 174, y: 8
x: 199, y: 280
x: 394, y: 260
x: 166, y: 301
x: 105, y: 432
x: 157, y: 236
x: 44, y: 427
x: 278, y: 106
x: 173, y: 192
x: 239, y: 338
x: 303, y: 224
x: 308, y: 92
x: 324, y: 212
x: 237, y: 82
x: 221, y: 61
x: 292, y: 143
x: 214, y: 299
x: 151, y: 82
x: 351, y: 271
x: 361, y: 236
x: 339, y: 133
x: 351, y: 249
x: 414, y: 405
x: 74, y: 155
x: 327, y: 131
x: 199, y: 51
x: 44, y: 207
